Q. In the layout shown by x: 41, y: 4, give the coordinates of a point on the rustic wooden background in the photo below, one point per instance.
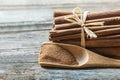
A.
x: 25, y: 24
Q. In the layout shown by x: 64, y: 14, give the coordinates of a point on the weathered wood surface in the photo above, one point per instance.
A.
x: 13, y: 4
x: 25, y: 24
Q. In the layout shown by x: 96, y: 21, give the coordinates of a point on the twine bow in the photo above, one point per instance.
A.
x: 80, y: 20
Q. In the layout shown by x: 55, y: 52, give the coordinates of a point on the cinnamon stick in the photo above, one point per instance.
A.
x: 66, y: 26
x: 92, y: 15
x: 108, y: 31
x: 96, y: 43
x: 99, y: 33
x: 58, y: 13
x: 117, y: 36
x: 66, y: 37
x: 113, y: 52
x: 55, y: 33
x: 71, y: 25
x: 107, y: 20
x: 74, y: 25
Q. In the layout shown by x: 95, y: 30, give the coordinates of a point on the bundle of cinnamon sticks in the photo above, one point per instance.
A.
x: 108, y: 40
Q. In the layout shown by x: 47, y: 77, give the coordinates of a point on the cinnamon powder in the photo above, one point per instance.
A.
x: 56, y: 54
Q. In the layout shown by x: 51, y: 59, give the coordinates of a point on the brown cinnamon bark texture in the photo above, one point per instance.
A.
x: 74, y: 25
x: 99, y: 33
x: 55, y: 33
x: 92, y: 15
x: 113, y: 52
x: 108, y: 41
x: 107, y: 20
x: 99, y: 38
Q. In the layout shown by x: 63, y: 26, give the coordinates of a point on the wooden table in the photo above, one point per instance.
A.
x: 23, y: 29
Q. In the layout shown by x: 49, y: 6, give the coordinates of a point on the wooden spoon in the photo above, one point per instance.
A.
x: 84, y: 57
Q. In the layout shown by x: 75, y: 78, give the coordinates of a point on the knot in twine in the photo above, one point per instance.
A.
x: 80, y: 20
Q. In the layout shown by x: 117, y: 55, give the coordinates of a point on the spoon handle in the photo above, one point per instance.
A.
x: 97, y: 60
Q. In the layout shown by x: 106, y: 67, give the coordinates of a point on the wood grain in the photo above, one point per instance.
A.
x: 24, y: 25
x: 18, y: 60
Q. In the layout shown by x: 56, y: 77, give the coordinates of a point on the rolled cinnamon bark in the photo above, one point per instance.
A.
x: 74, y: 25
x: 66, y: 26
x: 108, y: 37
x: 56, y: 33
x: 92, y: 15
x: 66, y: 37
x: 117, y: 36
x: 58, y: 13
x: 108, y: 32
x: 107, y: 20
x: 99, y: 33
x: 96, y: 43
x: 113, y: 52
x: 108, y: 41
